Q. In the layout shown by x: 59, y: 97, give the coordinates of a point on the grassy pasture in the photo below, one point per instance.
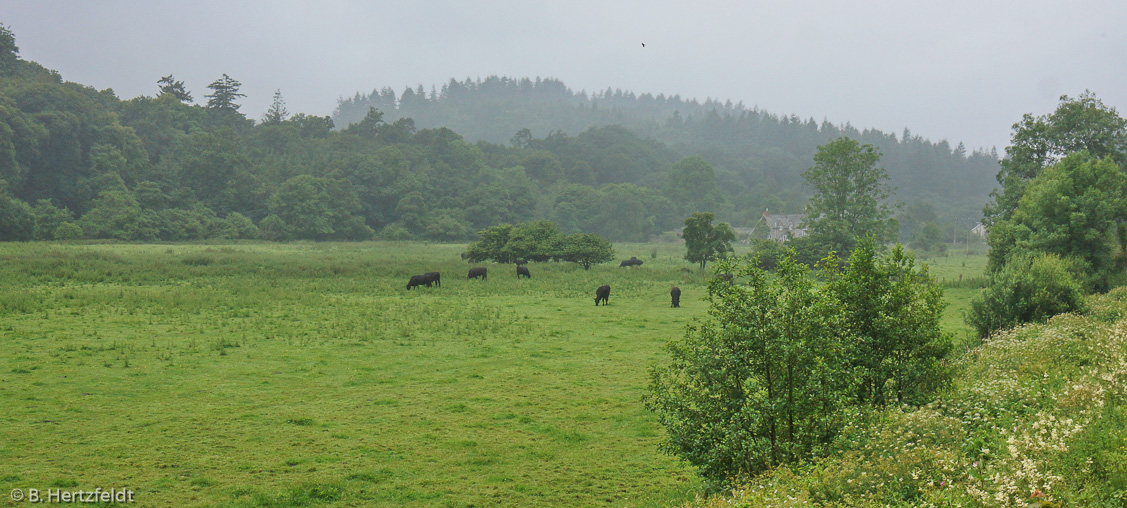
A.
x: 306, y: 375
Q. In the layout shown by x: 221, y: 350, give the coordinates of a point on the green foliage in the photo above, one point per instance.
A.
x: 691, y: 185
x: 224, y: 93
x: 60, y: 141
x: 271, y: 228
x: 17, y: 220
x: 770, y: 377
x: 237, y: 226
x: 1081, y: 124
x: 891, y: 311
x: 587, y: 249
x: 116, y: 214
x: 1035, y: 417
x: 47, y: 219
x: 538, y: 241
x: 170, y: 86
x: 1028, y: 289
x: 491, y: 247
x: 849, y: 198
x: 704, y: 241
x: 760, y: 383
x: 928, y: 238
x: 1070, y: 209
x: 8, y: 51
x: 67, y: 231
x: 768, y: 252
x: 756, y: 153
x: 318, y: 208
x: 532, y: 241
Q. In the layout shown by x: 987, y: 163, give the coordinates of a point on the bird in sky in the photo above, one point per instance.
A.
x: 643, y: 44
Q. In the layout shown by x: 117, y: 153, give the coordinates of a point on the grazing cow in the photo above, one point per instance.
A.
x: 479, y: 272
x: 433, y: 278
x: 633, y: 261
x: 416, y: 281
x: 603, y: 293
x: 523, y: 270
x: 675, y: 294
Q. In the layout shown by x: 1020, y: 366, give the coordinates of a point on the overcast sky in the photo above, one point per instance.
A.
x: 961, y: 70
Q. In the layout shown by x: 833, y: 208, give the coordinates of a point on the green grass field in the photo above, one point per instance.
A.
x: 306, y: 375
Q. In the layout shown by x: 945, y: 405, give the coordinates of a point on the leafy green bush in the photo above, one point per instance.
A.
x: 772, y: 375
x: 68, y: 231
x: 1027, y: 289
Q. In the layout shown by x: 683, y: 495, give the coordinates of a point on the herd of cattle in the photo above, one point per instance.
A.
x: 602, y: 294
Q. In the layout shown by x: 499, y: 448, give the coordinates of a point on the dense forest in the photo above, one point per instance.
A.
x: 758, y: 155
x: 76, y: 162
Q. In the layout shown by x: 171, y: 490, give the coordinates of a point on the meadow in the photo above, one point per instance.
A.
x: 304, y: 374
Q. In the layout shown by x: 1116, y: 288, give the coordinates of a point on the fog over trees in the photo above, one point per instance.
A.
x: 436, y: 165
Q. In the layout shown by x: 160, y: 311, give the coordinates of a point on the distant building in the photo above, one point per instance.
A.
x: 979, y: 230
x: 784, y: 226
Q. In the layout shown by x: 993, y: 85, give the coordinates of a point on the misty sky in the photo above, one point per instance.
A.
x: 959, y: 70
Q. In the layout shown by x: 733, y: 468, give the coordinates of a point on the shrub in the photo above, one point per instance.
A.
x: 68, y: 231
x: 237, y: 226
x: 271, y: 227
x: 1028, y: 289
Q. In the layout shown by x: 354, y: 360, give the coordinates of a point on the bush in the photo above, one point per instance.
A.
x: 16, y: 220
x: 1027, y: 289
x: 770, y: 377
x: 68, y: 231
x: 270, y: 228
x: 769, y: 253
x: 237, y: 226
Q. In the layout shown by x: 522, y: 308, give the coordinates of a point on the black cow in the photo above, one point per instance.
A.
x: 633, y: 261
x: 478, y: 272
x: 416, y: 281
x: 675, y: 294
x: 603, y: 293
x: 433, y: 278
x: 523, y: 270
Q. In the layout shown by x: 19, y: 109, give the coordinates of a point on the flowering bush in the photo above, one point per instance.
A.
x: 1037, y: 417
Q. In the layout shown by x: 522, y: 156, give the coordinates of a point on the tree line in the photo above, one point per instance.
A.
x: 163, y: 167
x: 757, y: 155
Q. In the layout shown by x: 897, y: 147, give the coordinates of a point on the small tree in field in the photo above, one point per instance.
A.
x: 704, y: 241
x: 766, y: 378
x: 586, y: 249
x: 758, y: 383
x: 492, y: 244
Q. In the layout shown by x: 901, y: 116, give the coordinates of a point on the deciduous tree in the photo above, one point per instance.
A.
x: 586, y: 249
x: 849, y: 197
x: 704, y: 241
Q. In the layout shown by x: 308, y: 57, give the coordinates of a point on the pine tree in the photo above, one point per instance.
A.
x: 224, y: 93
x: 168, y: 85
x: 277, y: 112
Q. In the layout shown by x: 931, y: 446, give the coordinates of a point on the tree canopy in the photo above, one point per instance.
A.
x: 705, y: 241
x: 850, y: 191
x: 429, y: 175
x: 765, y: 379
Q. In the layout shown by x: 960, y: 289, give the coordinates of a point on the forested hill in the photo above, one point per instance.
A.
x: 758, y: 155
x: 76, y: 162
